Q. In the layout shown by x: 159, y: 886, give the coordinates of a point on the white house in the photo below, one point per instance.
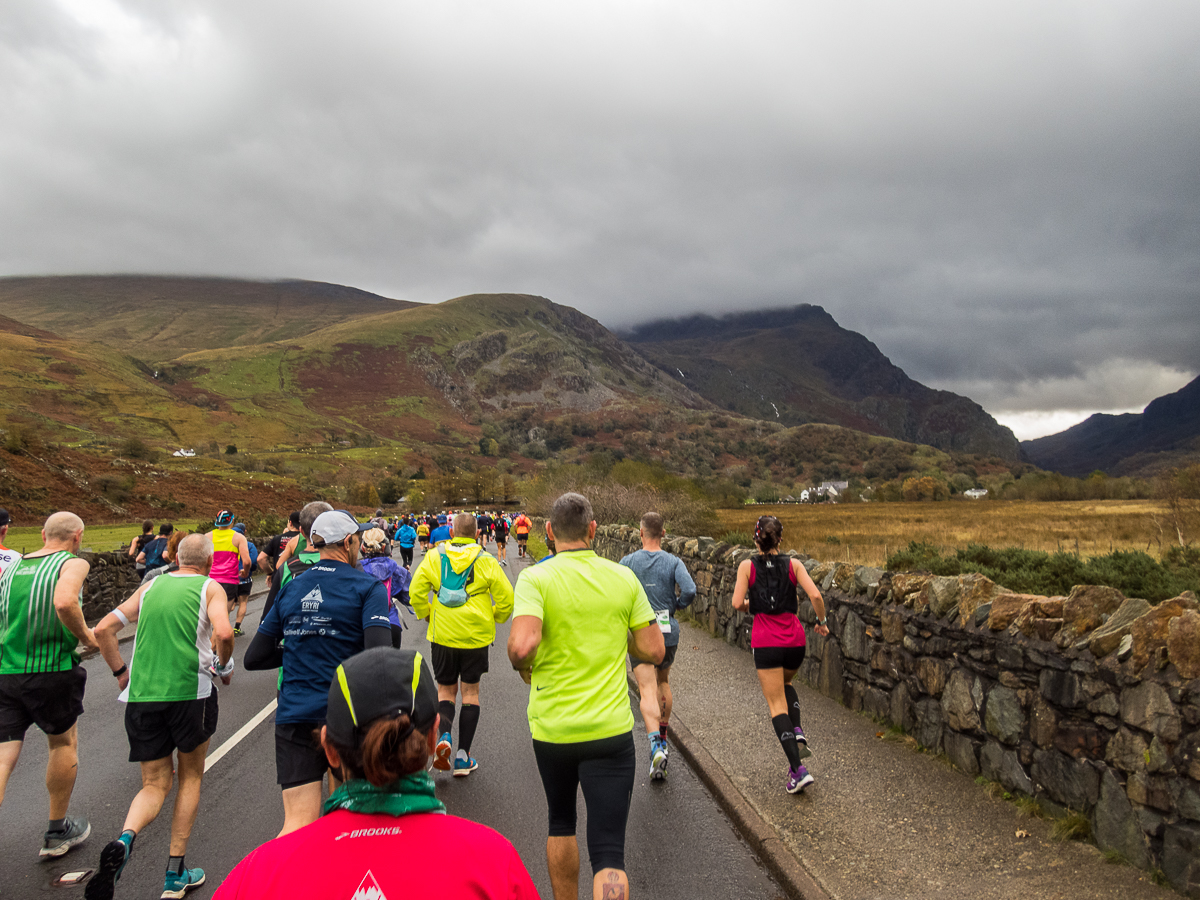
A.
x: 182, y: 452
x: 975, y: 493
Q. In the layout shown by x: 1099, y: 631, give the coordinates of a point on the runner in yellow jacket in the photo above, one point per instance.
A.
x: 462, y: 618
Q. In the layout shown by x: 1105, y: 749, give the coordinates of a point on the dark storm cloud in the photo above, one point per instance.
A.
x: 1005, y: 198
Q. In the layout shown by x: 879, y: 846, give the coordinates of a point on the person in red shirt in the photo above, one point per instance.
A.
x: 379, y: 732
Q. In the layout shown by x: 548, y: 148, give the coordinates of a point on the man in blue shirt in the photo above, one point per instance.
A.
x: 406, y: 539
x: 660, y: 574
x: 321, y: 618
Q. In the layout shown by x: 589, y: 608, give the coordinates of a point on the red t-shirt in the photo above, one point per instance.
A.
x: 779, y: 630
x: 352, y: 856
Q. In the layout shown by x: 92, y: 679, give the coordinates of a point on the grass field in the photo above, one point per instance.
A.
x: 866, y: 533
x: 97, y: 538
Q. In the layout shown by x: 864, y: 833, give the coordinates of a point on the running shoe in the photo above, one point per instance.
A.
x: 802, y: 743
x: 112, y: 861
x: 237, y: 629
x: 464, y: 764
x: 658, y: 760
x: 176, y: 885
x: 56, y: 843
x: 798, y: 779
x: 442, y: 753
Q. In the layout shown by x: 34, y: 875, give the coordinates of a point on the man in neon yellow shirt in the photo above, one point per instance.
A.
x: 575, y: 617
x: 461, y: 628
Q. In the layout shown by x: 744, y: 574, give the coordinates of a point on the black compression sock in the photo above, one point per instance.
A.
x: 787, y: 737
x: 175, y: 865
x: 467, y: 725
x: 793, y: 702
x: 57, y: 825
x: 446, y: 708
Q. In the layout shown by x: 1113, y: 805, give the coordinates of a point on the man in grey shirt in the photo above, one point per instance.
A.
x: 660, y: 574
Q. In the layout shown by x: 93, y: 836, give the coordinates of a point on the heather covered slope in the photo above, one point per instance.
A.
x: 156, y: 318
x: 798, y: 365
x: 1165, y: 434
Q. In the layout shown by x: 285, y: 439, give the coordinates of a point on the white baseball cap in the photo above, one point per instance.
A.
x: 335, y: 525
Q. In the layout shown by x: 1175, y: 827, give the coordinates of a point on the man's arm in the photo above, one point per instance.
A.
x: 244, y: 555
x: 687, y: 585
x: 66, y: 601
x: 502, y: 594
x: 218, y: 614
x: 110, y: 626
x: 646, y: 644
x: 523, y: 639
x: 288, y: 552
x: 422, y: 583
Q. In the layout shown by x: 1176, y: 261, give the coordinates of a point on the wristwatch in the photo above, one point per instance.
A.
x: 824, y: 623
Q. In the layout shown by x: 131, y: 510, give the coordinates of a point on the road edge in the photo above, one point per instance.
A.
x: 754, y: 829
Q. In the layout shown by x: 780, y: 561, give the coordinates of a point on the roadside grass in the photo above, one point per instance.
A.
x: 1072, y: 827
x: 96, y: 538
x: 867, y: 533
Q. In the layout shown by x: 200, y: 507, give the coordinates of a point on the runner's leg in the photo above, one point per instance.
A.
x: 187, y: 798
x: 664, y: 697
x: 469, y: 716
x: 10, y: 751
x: 61, y: 769
x: 771, y: 681
x: 562, y: 859
x: 301, y: 806
x: 643, y: 673
x: 157, y: 778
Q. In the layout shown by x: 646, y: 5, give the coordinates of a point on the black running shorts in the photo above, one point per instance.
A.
x: 454, y: 664
x: 668, y: 659
x: 156, y: 730
x: 231, y: 592
x: 52, y: 701
x: 606, y: 770
x: 778, y: 657
x: 299, y: 757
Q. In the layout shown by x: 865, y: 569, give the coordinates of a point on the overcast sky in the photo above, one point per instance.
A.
x: 1005, y: 197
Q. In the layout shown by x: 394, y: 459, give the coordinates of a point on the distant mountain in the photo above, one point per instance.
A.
x: 798, y: 365
x: 157, y: 318
x: 1165, y: 433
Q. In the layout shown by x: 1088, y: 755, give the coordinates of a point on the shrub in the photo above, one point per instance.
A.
x: 1051, y: 574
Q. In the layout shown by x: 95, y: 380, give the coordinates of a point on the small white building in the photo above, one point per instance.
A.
x: 184, y: 453
x: 975, y: 493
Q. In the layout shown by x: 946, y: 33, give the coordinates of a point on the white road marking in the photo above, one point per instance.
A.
x: 215, y: 757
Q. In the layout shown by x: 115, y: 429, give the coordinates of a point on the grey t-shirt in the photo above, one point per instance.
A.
x: 660, y: 572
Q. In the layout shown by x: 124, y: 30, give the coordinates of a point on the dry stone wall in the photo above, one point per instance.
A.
x: 1090, y: 702
x: 111, y: 579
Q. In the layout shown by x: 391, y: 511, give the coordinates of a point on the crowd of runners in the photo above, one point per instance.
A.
x: 360, y: 711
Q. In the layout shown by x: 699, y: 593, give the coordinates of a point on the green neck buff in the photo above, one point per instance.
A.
x: 409, y: 794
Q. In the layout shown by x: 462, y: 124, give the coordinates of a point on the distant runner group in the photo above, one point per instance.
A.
x: 357, y: 709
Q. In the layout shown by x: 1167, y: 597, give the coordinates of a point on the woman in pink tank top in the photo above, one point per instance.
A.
x: 767, y: 587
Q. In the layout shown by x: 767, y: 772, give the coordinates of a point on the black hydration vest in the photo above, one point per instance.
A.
x: 773, y: 591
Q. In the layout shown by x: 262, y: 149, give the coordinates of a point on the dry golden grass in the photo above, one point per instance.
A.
x: 866, y: 533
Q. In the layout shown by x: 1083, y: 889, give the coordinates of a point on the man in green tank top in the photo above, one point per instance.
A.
x: 172, y: 703
x: 41, y: 680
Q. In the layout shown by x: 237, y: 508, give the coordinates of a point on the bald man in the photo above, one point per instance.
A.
x: 41, y: 681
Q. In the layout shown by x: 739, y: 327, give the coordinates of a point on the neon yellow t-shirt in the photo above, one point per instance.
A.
x: 587, y: 606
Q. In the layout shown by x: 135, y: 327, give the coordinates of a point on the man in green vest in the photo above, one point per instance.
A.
x: 171, y: 703
x: 41, y: 680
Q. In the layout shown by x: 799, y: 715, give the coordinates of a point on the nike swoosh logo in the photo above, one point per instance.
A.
x: 541, y: 687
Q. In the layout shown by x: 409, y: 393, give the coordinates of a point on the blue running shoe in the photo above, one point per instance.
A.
x: 464, y: 764
x: 442, y: 753
x: 798, y: 779
x: 658, y: 760
x: 112, y: 861
x: 176, y: 885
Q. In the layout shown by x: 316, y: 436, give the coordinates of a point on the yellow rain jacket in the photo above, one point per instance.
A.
x: 489, y: 596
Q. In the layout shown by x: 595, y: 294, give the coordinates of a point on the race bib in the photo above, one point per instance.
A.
x: 664, y: 621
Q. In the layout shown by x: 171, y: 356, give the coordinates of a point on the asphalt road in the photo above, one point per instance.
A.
x: 679, y: 842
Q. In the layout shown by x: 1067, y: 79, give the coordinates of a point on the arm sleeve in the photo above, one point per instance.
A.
x: 502, y: 593
x: 423, y: 583
x: 377, y: 637
x: 264, y: 652
x: 375, y: 609
x: 272, y: 623
x: 687, y: 586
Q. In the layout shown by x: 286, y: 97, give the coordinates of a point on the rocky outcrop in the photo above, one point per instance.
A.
x: 1089, y: 702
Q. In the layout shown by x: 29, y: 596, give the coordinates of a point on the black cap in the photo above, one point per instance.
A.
x: 382, y: 681
x: 5, y: 518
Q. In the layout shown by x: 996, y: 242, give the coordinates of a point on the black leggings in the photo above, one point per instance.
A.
x: 606, y: 769
x: 406, y: 556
